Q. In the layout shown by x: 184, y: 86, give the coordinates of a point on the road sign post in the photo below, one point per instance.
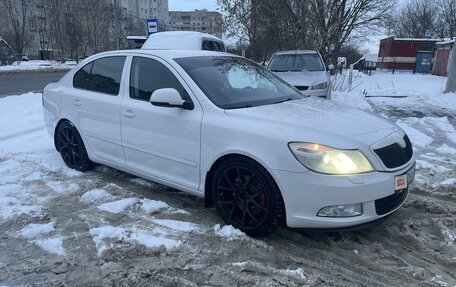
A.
x: 151, y: 26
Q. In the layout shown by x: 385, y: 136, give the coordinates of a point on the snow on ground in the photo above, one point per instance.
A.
x: 37, y: 65
x: 33, y: 230
x: 105, y: 227
x: 228, y: 232
x: 96, y: 195
x: 418, y: 105
x: 118, y: 206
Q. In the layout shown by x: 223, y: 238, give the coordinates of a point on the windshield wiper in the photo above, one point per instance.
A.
x: 290, y: 70
x: 285, y: 100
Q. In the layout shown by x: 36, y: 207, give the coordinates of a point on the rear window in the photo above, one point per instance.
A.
x: 102, y: 75
x: 213, y: 46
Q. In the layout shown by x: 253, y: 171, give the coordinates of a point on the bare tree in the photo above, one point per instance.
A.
x: 17, y: 13
x: 324, y: 25
x: 336, y: 21
x: 447, y: 15
x: 95, y: 18
x: 42, y: 24
x: 73, y: 28
x: 415, y: 18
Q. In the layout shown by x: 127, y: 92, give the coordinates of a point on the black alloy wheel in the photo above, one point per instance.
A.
x: 71, y: 147
x: 246, y: 196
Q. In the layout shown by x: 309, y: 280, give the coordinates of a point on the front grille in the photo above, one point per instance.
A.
x: 302, y: 88
x: 389, y: 203
x: 394, y: 155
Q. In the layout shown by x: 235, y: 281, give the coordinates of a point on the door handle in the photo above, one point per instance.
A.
x: 128, y: 114
x: 77, y: 103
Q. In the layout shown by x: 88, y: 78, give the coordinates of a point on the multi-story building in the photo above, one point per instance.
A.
x: 199, y: 20
x: 144, y: 9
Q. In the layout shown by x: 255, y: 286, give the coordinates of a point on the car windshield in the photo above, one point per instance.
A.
x: 296, y: 63
x: 233, y: 82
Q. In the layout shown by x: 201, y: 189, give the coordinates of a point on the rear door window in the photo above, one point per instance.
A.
x: 102, y: 75
x: 82, y: 77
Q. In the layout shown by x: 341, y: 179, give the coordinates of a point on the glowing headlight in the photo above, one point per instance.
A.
x: 328, y: 160
x: 320, y: 86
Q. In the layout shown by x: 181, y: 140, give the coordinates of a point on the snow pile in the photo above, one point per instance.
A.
x: 400, y: 89
x: 296, y: 273
x: 34, y: 230
x: 153, y: 206
x: 118, y: 206
x: 37, y: 65
x: 177, y: 225
x: 96, y: 195
x: 228, y: 232
x: 419, y: 139
x: 52, y: 245
x: 106, y: 237
x: 445, y: 149
x: 150, y: 206
x: 39, y: 232
x: 13, y: 202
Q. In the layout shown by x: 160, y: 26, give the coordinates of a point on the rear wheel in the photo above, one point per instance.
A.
x: 246, y: 196
x: 72, y: 148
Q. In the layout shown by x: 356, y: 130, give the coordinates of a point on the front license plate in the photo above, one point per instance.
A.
x: 400, y: 183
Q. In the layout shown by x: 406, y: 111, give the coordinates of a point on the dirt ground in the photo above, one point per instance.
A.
x: 66, y: 238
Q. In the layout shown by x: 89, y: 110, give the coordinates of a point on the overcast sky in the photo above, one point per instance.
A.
x: 188, y: 5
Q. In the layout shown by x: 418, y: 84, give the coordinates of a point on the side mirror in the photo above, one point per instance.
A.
x: 168, y: 97
x: 330, y: 67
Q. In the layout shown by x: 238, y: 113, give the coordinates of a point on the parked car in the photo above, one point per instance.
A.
x: 303, y: 69
x: 184, y: 40
x: 366, y: 62
x: 220, y: 126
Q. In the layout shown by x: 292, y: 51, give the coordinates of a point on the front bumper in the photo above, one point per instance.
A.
x: 304, y: 194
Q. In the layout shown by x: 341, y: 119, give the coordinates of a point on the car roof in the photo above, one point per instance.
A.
x: 179, y: 40
x: 289, y: 52
x: 165, y: 54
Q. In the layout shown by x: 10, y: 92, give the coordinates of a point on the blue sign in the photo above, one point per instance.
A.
x: 427, y: 34
x: 151, y: 26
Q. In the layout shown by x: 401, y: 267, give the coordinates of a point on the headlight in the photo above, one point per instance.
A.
x: 320, y: 86
x: 328, y: 160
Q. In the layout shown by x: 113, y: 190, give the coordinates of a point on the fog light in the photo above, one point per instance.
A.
x: 342, y: 210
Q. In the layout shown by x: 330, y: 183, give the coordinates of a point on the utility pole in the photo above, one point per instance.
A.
x: 451, y: 82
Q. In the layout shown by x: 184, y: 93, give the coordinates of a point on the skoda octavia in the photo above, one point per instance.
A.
x: 222, y: 127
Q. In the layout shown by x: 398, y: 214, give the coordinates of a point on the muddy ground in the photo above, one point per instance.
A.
x: 413, y: 247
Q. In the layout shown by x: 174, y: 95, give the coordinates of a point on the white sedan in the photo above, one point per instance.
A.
x: 222, y: 127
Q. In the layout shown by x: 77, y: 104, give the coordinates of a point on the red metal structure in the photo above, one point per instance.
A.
x: 441, y: 57
x: 406, y: 54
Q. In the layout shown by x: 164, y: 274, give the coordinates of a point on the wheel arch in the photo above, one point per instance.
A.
x: 208, y: 198
x: 60, y: 122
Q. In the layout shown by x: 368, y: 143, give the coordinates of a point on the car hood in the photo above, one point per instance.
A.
x: 304, y: 78
x: 319, y: 121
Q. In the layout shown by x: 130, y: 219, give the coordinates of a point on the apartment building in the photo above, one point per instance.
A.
x: 198, y: 20
x: 144, y: 9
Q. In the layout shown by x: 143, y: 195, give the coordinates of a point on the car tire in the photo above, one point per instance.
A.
x: 246, y: 196
x: 72, y: 148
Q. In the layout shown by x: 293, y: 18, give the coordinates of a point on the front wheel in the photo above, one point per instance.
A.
x: 246, y: 196
x: 72, y: 148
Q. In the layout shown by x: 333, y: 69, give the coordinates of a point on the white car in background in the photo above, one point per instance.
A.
x: 220, y: 126
x: 304, y: 69
x: 184, y: 40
